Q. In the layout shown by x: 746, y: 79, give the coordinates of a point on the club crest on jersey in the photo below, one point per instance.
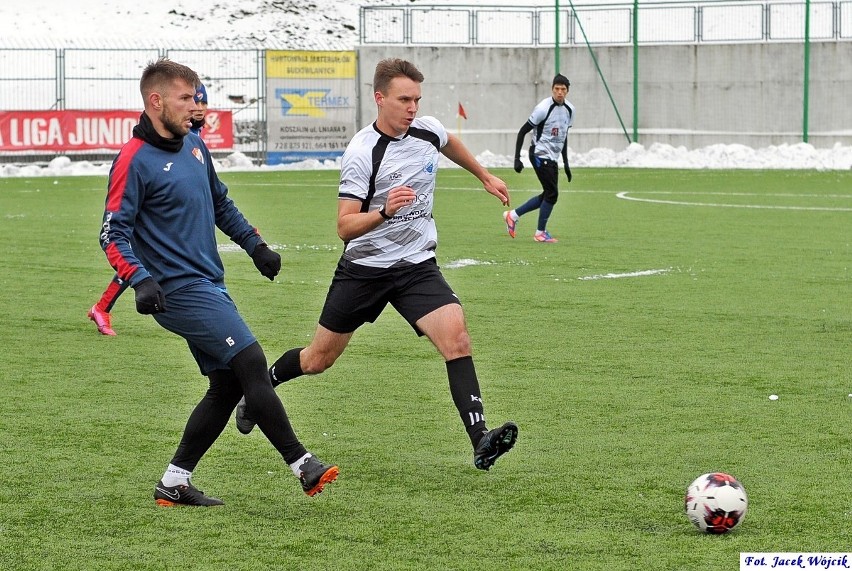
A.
x: 196, y: 152
x: 430, y: 165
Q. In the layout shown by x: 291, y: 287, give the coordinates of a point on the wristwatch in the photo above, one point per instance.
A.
x: 384, y: 214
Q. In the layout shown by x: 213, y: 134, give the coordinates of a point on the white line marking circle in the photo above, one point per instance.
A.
x: 624, y: 196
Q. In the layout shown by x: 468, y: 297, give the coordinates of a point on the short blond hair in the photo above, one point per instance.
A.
x: 387, y: 69
x: 158, y: 75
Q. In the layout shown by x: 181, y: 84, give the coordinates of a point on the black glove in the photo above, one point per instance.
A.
x: 149, y: 297
x: 519, y: 166
x: 266, y: 260
x: 568, y: 172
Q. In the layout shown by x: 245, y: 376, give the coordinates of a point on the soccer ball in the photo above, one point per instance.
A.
x: 716, y: 502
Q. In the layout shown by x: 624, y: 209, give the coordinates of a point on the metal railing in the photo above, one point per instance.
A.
x: 700, y: 21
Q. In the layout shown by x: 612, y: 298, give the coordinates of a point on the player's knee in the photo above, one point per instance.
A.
x: 316, y: 363
x: 457, y: 346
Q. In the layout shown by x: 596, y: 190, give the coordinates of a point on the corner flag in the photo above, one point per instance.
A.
x: 461, y: 111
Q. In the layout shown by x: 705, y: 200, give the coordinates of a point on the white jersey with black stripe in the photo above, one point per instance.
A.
x: 550, y: 127
x: 373, y: 164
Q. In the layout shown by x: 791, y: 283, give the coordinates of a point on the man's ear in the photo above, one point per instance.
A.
x: 156, y: 100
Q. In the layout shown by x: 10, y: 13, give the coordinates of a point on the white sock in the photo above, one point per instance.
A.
x: 175, y: 476
x: 298, y: 464
x: 513, y: 215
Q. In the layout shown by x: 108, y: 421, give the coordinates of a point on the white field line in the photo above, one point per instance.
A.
x: 637, y: 274
x: 464, y: 262
x: 624, y: 196
x: 230, y: 247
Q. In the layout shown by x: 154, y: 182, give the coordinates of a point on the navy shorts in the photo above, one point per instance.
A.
x: 206, y: 316
x: 358, y: 294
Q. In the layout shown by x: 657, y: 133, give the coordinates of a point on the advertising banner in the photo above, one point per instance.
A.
x: 65, y: 130
x: 218, y: 131
x: 312, y: 106
x: 91, y: 130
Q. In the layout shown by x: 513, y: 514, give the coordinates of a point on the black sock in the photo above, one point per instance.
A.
x: 464, y: 387
x: 286, y: 367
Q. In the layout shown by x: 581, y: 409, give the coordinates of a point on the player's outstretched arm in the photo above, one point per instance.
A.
x: 458, y: 153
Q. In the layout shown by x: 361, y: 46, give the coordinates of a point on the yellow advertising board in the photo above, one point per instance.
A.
x: 311, y: 104
x: 310, y: 65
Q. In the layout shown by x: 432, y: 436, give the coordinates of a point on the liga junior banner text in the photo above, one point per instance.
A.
x: 88, y: 130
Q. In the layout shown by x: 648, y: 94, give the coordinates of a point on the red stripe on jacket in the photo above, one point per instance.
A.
x: 115, y: 194
x: 118, y: 179
x: 124, y: 269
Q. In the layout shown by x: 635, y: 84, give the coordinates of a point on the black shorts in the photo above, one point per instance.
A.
x: 358, y: 294
x: 547, y: 172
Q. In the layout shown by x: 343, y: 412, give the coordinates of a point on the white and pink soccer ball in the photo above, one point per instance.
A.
x: 716, y: 502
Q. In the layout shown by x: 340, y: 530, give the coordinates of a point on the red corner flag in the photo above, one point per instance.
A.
x: 461, y: 111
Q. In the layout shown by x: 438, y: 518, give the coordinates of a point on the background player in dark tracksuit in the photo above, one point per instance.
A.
x: 163, y: 206
x: 549, y: 122
x: 387, y: 186
x: 100, y: 312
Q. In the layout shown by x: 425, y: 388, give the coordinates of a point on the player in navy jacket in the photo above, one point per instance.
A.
x: 163, y: 206
x: 100, y: 312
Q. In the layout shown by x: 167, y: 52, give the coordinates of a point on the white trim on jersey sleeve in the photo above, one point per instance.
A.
x: 355, y: 171
x: 432, y: 124
x: 539, y: 112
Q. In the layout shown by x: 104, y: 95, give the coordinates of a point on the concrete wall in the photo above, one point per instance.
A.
x: 689, y: 95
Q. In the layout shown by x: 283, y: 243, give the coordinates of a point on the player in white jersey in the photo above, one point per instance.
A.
x: 549, y: 122
x: 409, y: 236
x: 384, y: 217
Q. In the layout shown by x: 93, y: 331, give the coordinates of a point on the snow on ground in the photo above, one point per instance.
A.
x: 276, y: 24
x: 798, y: 156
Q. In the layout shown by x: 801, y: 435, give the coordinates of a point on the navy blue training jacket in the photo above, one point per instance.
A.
x: 162, y: 210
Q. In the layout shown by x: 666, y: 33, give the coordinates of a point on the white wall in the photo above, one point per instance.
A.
x: 690, y: 95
